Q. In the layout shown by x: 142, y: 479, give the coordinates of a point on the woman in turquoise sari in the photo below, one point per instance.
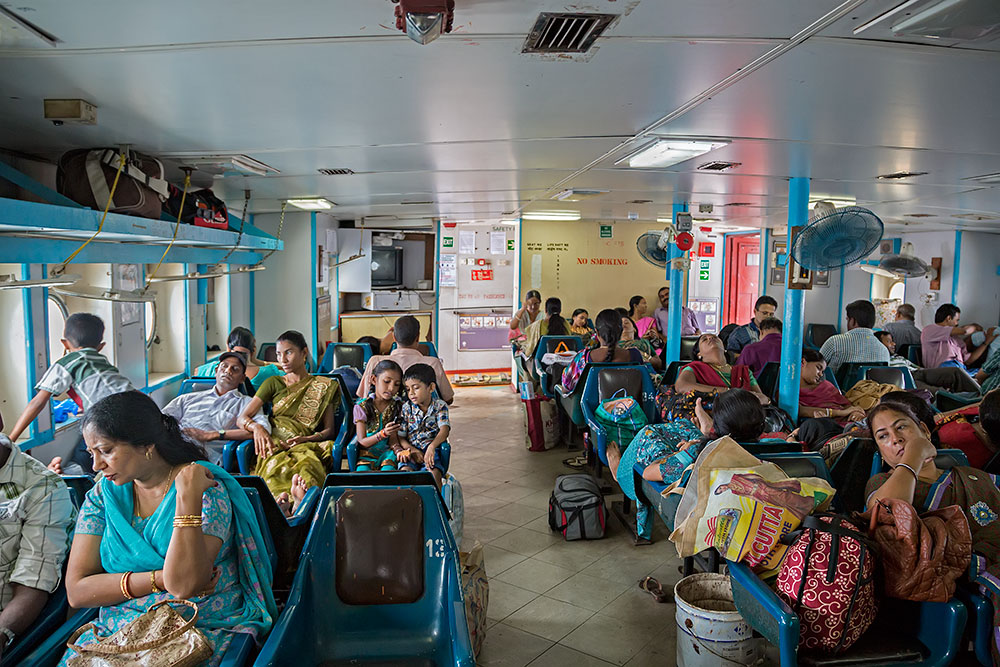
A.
x: 163, y: 523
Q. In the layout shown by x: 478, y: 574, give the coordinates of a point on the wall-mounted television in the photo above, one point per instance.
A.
x: 387, y: 267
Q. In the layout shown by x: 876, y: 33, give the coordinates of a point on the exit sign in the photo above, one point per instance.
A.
x: 449, y: 241
x: 606, y: 231
x: 705, y: 265
x: 510, y: 244
x: 702, y: 274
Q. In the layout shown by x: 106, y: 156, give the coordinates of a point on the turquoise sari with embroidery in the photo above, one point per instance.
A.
x: 241, y: 601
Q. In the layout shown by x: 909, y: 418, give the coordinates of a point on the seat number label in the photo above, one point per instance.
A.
x: 435, y: 548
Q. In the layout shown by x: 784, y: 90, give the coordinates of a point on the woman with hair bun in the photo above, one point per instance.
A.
x: 163, y: 523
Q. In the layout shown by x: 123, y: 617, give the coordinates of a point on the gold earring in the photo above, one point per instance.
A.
x: 149, y: 453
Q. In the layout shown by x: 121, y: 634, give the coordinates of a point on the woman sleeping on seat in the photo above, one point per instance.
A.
x: 163, y: 523
x: 302, y: 420
x: 818, y: 397
x: 712, y: 372
x: 646, y: 349
x: 664, y: 451
x: 905, y: 445
x: 609, y: 333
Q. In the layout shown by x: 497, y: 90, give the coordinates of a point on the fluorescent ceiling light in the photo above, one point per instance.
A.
x: 10, y: 282
x: 839, y: 203
x: 551, y: 215
x: 883, y: 16
x: 989, y: 179
x: 578, y: 195
x: 667, y: 152
x: 312, y: 203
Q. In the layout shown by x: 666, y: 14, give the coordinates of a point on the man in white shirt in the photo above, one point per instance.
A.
x: 209, y: 417
x: 406, y: 331
x: 36, y: 519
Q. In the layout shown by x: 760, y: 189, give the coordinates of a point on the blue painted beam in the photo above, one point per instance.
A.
x: 54, y: 251
x: 791, y: 339
x: 957, y: 264
x: 676, y: 279
x: 25, y: 216
x: 24, y: 181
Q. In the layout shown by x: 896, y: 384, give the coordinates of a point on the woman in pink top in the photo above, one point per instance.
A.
x: 637, y: 311
x: 943, y: 343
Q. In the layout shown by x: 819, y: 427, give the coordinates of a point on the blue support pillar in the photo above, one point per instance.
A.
x: 676, y: 281
x: 791, y: 339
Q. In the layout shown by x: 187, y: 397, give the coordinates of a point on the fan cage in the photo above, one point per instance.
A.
x: 837, y: 239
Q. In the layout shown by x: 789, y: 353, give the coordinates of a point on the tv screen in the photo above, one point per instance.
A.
x: 387, y: 267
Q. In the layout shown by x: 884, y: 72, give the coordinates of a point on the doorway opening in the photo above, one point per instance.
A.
x: 742, y: 271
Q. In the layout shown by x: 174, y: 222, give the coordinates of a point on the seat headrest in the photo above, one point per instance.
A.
x: 380, y: 546
x: 610, y: 380
x: 344, y: 355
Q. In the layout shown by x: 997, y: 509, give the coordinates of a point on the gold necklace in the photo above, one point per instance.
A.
x: 165, y: 487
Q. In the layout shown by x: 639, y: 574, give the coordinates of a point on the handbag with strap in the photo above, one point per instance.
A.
x: 160, y: 637
x: 922, y: 554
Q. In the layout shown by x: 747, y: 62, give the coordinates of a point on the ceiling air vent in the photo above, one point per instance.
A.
x: 718, y: 165
x: 416, y: 203
x: 738, y: 203
x: 639, y: 201
x: 336, y: 172
x: 566, y: 33
x: 898, y: 175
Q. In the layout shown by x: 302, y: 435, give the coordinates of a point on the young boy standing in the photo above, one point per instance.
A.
x: 82, y: 371
x: 425, y: 424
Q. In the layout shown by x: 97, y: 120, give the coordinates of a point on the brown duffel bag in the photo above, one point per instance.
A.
x: 86, y: 176
x: 922, y: 555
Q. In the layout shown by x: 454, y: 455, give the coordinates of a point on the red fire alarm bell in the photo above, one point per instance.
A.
x: 685, y: 241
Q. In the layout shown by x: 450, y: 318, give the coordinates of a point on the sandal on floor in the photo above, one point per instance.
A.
x: 652, y: 586
x: 576, y: 462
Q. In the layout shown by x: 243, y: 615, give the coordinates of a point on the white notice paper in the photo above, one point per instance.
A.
x: 536, y: 272
x: 448, y: 272
x: 498, y: 243
x: 466, y: 243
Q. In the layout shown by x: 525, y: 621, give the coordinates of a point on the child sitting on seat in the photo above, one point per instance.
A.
x: 376, y: 419
x: 425, y: 424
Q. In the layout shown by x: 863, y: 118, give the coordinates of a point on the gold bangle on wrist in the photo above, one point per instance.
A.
x: 152, y: 582
x: 188, y: 521
x: 124, y: 586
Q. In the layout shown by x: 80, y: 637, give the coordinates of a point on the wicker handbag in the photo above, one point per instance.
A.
x: 159, y: 638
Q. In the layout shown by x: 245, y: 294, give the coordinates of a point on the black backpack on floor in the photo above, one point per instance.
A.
x: 576, y: 508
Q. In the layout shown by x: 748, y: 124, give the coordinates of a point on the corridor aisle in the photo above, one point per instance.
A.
x: 552, y: 603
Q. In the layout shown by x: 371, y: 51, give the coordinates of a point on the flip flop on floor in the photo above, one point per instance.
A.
x: 653, y: 587
x: 576, y: 462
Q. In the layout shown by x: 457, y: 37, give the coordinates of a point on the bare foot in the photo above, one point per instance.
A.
x: 284, y: 503
x: 614, y: 458
x: 55, y: 465
x: 299, y: 489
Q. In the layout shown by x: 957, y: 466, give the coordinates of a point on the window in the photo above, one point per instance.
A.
x: 57, y: 322
x: 897, y: 291
x: 150, y: 321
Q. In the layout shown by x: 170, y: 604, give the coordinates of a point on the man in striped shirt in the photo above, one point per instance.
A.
x: 209, y: 417
x: 859, y: 344
x: 36, y: 520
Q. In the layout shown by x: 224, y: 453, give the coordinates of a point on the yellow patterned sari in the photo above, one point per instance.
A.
x: 297, y: 410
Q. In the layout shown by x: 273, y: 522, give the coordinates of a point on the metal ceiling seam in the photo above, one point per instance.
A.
x: 812, y: 29
x: 352, y: 39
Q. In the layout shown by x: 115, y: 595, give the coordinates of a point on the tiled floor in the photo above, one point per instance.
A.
x: 552, y: 603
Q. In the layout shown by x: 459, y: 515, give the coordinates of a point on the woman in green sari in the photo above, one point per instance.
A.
x: 302, y: 420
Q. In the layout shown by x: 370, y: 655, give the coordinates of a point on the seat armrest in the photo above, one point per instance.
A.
x: 561, y: 391
x: 245, y: 457
x: 765, y: 611
x: 304, y: 512
x: 238, y: 651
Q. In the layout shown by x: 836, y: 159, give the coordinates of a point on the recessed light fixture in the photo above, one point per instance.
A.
x: 898, y: 175
x: 667, y: 152
x: 341, y: 171
x: 312, y: 203
x: 551, y: 215
x: 578, y: 195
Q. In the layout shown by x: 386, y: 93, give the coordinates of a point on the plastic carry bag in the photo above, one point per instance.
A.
x: 743, y: 507
x: 476, y: 592
x: 622, y: 417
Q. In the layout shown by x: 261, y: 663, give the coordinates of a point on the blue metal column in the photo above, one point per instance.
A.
x: 676, y: 281
x: 791, y: 339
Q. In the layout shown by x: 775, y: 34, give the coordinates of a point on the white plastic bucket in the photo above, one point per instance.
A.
x: 710, y: 631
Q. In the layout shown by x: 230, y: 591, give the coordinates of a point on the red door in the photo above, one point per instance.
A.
x: 742, y: 276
